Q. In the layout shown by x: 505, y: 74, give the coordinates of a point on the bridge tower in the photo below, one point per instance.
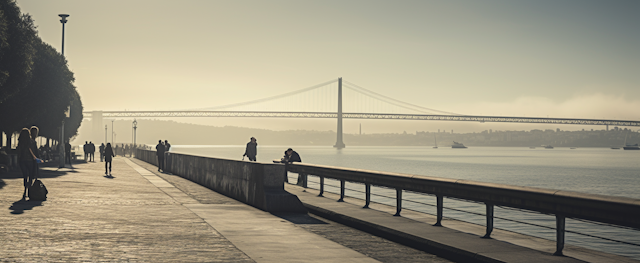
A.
x: 97, y: 128
x: 339, y: 142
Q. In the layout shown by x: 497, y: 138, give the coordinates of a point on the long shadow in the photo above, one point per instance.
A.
x: 300, y: 219
x: 42, y: 173
x: 18, y: 207
x: 2, y: 183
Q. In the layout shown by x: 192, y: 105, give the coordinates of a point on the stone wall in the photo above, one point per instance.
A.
x: 258, y: 184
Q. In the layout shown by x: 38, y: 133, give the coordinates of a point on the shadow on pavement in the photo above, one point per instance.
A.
x: 109, y: 176
x: 45, y: 171
x: 300, y: 219
x: 2, y: 183
x: 18, y: 207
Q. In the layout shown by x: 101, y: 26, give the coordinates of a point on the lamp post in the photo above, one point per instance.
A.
x: 112, y: 131
x: 135, y: 126
x: 105, y: 133
x: 63, y: 20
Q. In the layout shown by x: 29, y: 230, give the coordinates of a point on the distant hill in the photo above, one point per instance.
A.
x: 150, y: 131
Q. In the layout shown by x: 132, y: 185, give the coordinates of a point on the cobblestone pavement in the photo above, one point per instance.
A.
x: 135, y: 218
x: 372, y: 246
x: 91, y: 218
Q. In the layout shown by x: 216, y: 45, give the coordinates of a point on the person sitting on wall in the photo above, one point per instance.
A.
x: 292, y: 156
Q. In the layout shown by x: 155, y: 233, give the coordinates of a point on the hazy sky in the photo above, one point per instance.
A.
x: 537, y: 58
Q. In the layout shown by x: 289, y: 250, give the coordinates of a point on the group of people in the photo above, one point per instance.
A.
x: 28, y: 157
x: 289, y: 156
x: 251, y: 151
x: 161, y: 149
x: 89, y: 150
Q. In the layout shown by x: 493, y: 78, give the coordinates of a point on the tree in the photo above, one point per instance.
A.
x: 16, y: 48
x: 44, y: 100
x: 36, y: 85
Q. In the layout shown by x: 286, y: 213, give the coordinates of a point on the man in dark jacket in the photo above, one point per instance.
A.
x: 101, y: 149
x: 160, y: 153
x: 251, y: 151
x: 292, y: 156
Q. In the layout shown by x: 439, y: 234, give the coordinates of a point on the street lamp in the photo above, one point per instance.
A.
x: 135, y: 126
x: 62, y: 142
x: 105, y: 134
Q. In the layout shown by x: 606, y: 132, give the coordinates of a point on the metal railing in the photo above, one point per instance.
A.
x: 618, y: 211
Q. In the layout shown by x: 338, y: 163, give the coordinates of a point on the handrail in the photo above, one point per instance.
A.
x: 563, y: 204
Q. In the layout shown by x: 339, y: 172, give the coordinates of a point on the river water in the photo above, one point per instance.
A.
x: 601, y: 171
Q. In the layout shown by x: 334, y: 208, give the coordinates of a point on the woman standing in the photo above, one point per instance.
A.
x: 108, y: 157
x: 26, y: 159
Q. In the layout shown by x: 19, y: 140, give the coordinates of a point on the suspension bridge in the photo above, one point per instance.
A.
x: 325, y: 100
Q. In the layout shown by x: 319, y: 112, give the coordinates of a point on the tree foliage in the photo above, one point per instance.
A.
x: 38, y: 87
x: 16, y: 48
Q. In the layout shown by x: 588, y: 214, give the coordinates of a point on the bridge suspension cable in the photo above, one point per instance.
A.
x: 288, y: 94
x: 393, y: 101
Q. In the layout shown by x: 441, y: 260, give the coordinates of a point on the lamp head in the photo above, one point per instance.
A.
x: 64, y: 18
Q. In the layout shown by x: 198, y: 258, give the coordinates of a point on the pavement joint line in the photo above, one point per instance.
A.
x: 246, y: 227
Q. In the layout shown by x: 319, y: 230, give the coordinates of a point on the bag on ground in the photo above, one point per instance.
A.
x: 37, y: 191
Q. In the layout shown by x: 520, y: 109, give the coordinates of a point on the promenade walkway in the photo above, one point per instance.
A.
x: 140, y: 215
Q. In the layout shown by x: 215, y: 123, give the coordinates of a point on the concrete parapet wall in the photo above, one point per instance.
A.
x: 258, y: 184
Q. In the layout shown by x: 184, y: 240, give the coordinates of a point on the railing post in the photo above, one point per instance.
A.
x: 286, y: 173
x: 398, y: 201
x: 367, y: 195
x: 304, y: 180
x: 560, y: 227
x: 489, y: 220
x: 321, y: 186
x: 341, y: 191
x: 440, y: 205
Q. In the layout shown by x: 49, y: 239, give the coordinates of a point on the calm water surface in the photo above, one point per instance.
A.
x: 590, y: 170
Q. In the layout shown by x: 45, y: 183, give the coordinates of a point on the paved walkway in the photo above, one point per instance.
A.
x: 140, y: 215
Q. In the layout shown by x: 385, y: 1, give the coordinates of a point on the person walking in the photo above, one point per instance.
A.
x: 101, y: 149
x: 108, y: 158
x: 26, y: 159
x: 251, y: 150
x: 92, y: 151
x: 85, y: 149
x: 160, y: 153
x: 67, y: 154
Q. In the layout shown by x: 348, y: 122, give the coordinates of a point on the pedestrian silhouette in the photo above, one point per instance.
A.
x: 251, y: 150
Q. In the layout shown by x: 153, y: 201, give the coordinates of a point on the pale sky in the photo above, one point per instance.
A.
x: 577, y: 59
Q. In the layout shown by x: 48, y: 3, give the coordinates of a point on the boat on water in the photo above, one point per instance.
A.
x: 630, y: 146
x: 458, y: 145
x: 615, y: 148
x: 547, y: 146
x: 435, y: 141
